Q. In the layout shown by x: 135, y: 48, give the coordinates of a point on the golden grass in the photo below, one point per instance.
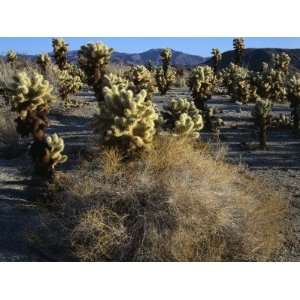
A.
x: 176, y: 203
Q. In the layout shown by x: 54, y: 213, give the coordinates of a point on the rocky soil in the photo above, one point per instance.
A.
x: 278, y: 166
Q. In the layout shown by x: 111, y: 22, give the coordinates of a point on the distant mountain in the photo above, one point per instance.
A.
x: 178, y: 58
x: 253, y: 57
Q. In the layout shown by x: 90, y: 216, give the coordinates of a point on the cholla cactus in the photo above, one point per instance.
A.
x: 262, y: 119
x: 68, y: 85
x: 74, y: 71
x: 56, y: 147
x: 11, y: 56
x: 201, y: 84
x: 294, y: 98
x: 281, y: 62
x: 141, y: 79
x: 60, y: 49
x: 236, y: 80
x: 271, y: 84
x: 182, y: 117
x: 43, y: 60
x: 164, y: 80
x: 239, y: 48
x: 31, y: 96
x: 149, y: 66
x: 216, y: 59
x: 126, y: 120
x: 164, y: 75
x: 93, y: 59
x: 111, y: 80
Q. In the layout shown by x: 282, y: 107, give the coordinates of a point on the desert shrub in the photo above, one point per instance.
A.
x: 165, y: 75
x: 141, y: 79
x: 262, y: 119
x: 126, y: 120
x: 44, y: 61
x: 183, y: 118
x: 201, y: 84
x: 176, y: 203
x: 216, y: 59
x: 60, y: 50
x: 93, y: 60
x: 237, y: 81
x: 239, y: 48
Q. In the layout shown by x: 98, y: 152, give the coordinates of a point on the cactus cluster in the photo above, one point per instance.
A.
x: 239, y: 48
x: 262, y: 119
x: 271, y: 84
x: 126, y: 120
x: 201, y: 84
x: 93, y: 60
x: 165, y: 75
x: 236, y: 80
x: 44, y: 61
x: 281, y: 62
x: 11, y: 56
x: 216, y: 59
x: 141, y: 79
x: 60, y: 50
x: 68, y: 85
x: 31, y: 96
x: 183, y: 118
x: 294, y: 99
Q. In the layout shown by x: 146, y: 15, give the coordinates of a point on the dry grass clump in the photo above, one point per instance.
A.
x: 176, y: 203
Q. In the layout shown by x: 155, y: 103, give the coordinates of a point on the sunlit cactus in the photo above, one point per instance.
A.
x: 93, y: 60
x: 68, y: 85
x: 56, y: 146
x: 262, y: 119
x: 183, y: 118
x: 111, y: 80
x: 60, y: 50
x: 294, y: 99
x: 271, y: 84
x: 201, y: 84
x: 31, y: 96
x: 237, y: 81
x: 239, y: 48
x: 74, y: 71
x: 141, y: 79
x: 165, y: 75
x: 44, y: 61
x: 11, y: 56
x: 216, y: 59
x: 281, y: 62
x: 164, y: 80
x: 126, y: 120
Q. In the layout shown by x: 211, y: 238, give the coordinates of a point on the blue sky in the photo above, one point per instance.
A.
x: 199, y: 46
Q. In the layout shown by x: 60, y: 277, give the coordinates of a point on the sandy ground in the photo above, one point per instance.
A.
x: 279, y: 166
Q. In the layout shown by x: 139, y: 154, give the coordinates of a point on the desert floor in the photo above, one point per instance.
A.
x: 278, y: 166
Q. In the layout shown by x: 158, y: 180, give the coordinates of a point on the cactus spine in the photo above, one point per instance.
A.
x: 93, y: 59
x: 164, y: 75
x: 126, y: 120
x: 11, y: 56
x: 239, y: 48
x: 216, y: 59
x: 60, y: 49
x: 201, y: 84
x: 262, y: 119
